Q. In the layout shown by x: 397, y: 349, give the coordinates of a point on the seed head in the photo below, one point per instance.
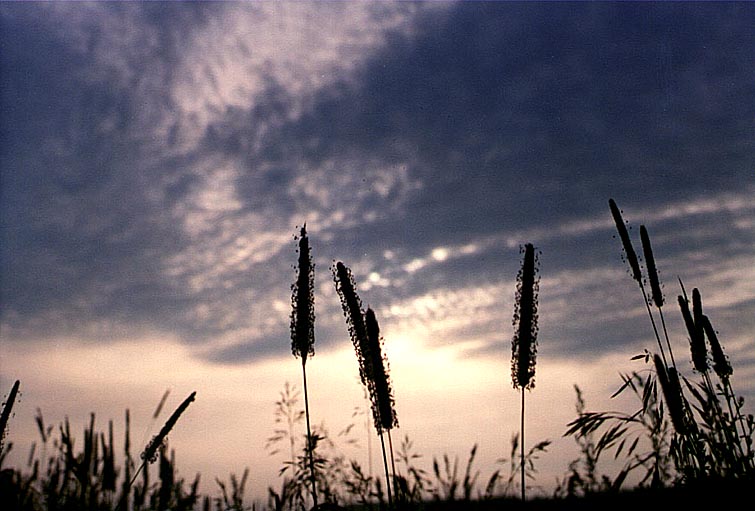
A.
x: 303, y: 303
x: 625, y: 241
x: 352, y: 310
x: 383, y: 403
x: 150, y: 452
x: 721, y: 364
x: 524, y: 342
x: 696, y: 339
x: 647, y: 250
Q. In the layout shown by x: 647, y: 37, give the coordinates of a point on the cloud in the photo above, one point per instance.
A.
x: 166, y: 171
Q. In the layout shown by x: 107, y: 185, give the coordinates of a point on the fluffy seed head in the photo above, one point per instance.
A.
x: 383, y: 403
x: 524, y: 342
x: 150, y: 452
x: 696, y: 339
x: 721, y: 364
x: 303, y: 303
x: 625, y: 241
x: 352, y: 310
x: 647, y: 250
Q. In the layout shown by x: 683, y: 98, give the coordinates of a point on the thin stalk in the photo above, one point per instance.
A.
x: 665, y: 335
x: 634, y: 265
x: 310, y: 447
x: 723, y: 370
x: 387, y: 475
x: 521, y: 448
x: 655, y: 328
x: 369, y: 435
x: 723, y: 433
x: 730, y: 396
x: 655, y: 286
x: 393, y: 463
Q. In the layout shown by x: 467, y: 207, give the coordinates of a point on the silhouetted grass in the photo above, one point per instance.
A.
x: 373, y: 371
x: 303, y: 333
x: 524, y: 342
x: 707, y: 442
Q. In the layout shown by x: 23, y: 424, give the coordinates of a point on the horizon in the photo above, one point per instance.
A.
x: 158, y: 159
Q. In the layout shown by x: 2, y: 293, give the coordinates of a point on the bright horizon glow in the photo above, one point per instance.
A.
x: 232, y: 416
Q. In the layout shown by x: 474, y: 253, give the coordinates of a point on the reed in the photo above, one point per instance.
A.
x: 698, y: 351
x: 721, y: 364
x: 383, y: 402
x: 708, y: 442
x: 366, y: 341
x: 630, y: 254
x: 352, y: 311
x: 655, y: 288
x: 150, y: 453
x: 634, y: 265
x: 524, y: 342
x: 652, y: 270
x: 384, y: 412
x: 303, y: 331
x: 728, y: 427
x: 303, y: 302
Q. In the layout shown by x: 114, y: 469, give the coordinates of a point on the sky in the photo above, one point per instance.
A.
x: 157, y: 159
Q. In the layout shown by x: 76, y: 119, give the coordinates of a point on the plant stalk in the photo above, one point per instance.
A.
x: 310, y: 447
x: 521, y: 448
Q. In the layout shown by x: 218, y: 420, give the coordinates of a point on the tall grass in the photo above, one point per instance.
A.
x: 365, y: 336
x: 709, y: 440
x: 150, y: 452
x: 524, y: 342
x: 85, y: 476
x: 303, y: 332
x: 383, y: 403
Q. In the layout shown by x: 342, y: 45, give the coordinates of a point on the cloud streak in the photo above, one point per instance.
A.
x: 420, y: 144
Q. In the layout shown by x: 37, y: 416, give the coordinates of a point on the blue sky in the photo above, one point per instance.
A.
x: 157, y: 158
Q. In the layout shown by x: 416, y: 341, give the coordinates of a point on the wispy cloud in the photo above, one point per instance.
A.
x: 421, y: 144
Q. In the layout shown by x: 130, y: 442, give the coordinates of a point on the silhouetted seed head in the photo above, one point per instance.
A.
x: 625, y: 241
x: 696, y: 340
x: 524, y: 342
x: 303, y: 303
x: 383, y: 404
x: 352, y: 310
x: 151, y: 451
x: 721, y: 364
x: 5, y: 414
x: 697, y: 314
x: 672, y: 392
x: 655, y: 285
